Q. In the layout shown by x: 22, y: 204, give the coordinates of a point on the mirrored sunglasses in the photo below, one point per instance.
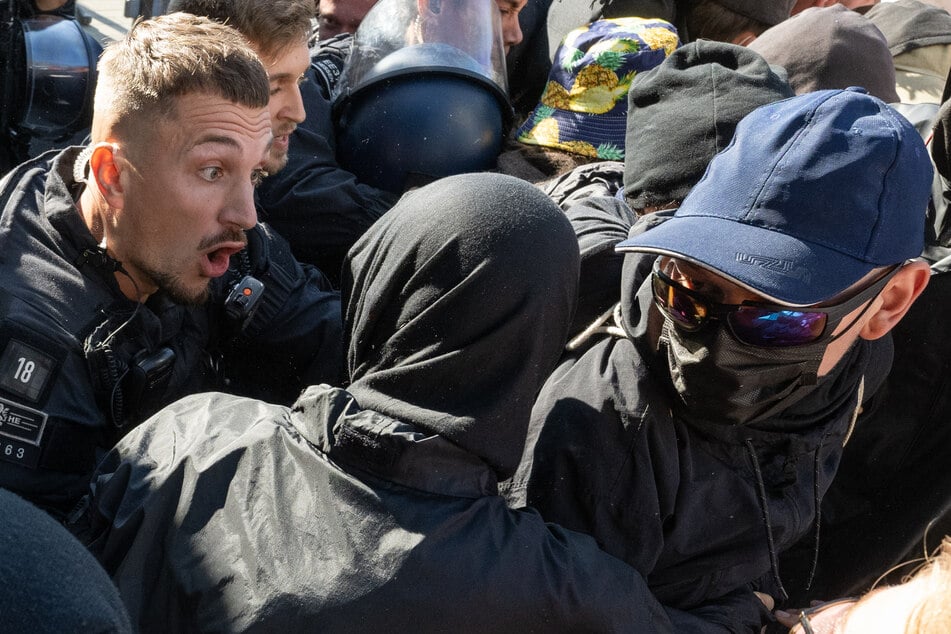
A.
x: 753, y: 323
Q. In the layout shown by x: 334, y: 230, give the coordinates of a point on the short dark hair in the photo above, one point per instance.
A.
x: 710, y: 20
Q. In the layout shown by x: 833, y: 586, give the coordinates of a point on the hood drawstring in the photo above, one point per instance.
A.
x: 858, y: 410
x: 817, y: 502
x: 598, y: 327
x: 764, y: 508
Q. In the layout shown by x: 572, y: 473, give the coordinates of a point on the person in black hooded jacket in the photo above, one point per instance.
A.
x: 375, y: 508
x: 690, y: 446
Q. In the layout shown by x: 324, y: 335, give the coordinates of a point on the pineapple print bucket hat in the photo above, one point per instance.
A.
x: 584, y: 106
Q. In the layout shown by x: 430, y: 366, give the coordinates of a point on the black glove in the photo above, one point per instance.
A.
x: 327, y: 59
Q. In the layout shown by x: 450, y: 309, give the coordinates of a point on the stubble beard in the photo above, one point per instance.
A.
x: 176, y: 290
x: 275, y: 163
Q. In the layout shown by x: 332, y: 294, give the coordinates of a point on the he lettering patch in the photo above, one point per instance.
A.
x: 24, y: 370
x: 21, y: 430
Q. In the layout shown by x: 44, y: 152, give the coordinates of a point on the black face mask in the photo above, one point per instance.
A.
x: 721, y: 380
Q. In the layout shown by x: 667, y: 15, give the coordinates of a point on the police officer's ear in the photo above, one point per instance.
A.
x: 104, y: 169
x: 896, y: 298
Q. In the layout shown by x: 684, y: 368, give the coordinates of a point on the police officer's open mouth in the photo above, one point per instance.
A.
x: 216, y: 256
x: 219, y: 260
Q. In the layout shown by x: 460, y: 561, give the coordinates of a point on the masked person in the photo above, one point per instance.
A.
x: 695, y: 439
x: 375, y: 508
x: 130, y: 265
x: 891, y: 496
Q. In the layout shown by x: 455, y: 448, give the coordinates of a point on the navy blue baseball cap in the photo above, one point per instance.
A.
x: 812, y: 194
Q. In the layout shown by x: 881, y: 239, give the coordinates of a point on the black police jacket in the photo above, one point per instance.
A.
x: 80, y: 364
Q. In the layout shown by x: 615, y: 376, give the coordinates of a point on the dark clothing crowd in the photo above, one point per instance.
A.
x: 673, y: 362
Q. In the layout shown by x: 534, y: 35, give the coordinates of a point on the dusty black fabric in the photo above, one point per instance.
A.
x: 684, y: 111
x: 909, y: 24
x: 433, y: 299
x: 51, y: 584
x: 226, y: 514
x: 599, y: 223
x: 230, y: 514
x: 830, y: 47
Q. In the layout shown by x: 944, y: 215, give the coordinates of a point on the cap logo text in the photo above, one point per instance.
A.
x: 777, y: 265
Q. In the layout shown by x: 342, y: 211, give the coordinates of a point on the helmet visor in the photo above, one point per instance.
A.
x: 416, y: 36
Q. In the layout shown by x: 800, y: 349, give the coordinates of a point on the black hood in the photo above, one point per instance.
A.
x: 458, y: 303
x: 685, y: 110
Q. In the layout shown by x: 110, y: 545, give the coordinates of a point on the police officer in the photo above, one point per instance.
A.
x: 135, y: 270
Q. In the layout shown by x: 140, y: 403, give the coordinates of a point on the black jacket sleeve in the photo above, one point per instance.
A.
x: 599, y: 222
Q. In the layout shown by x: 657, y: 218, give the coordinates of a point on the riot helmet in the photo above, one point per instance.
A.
x: 49, y: 76
x: 424, y: 93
